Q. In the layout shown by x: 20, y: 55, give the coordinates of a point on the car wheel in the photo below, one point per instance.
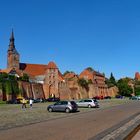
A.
x: 67, y: 110
x: 89, y: 106
x: 50, y: 109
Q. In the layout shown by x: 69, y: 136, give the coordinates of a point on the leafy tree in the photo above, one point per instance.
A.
x: 66, y: 72
x: 137, y: 87
x: 90, y: 69
x: 112, y: 79
x: 137, y: 90
x: 8, y: 87
x: 124, y: 88
x: 111, y: 82
x: 15, y: 87
x: 84, y: 83
x: 25, y: 77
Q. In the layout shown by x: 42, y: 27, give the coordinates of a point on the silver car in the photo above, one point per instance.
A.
x: 66, y: 106
x: 88, y: 103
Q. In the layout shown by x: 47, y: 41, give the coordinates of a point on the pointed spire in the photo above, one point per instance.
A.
x: 12, y: 40
x: 12, y: 35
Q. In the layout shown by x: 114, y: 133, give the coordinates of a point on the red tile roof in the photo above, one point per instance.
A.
x: 33, y: 69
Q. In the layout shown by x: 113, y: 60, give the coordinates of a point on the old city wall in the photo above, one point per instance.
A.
x: 31, y: 90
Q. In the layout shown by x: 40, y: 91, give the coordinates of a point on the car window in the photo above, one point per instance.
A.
x: 88, y: 100
x: 81, y: 101
x: 58, y: 103
x: 64, y: 102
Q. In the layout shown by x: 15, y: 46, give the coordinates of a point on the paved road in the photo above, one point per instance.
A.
x: 78, y: 126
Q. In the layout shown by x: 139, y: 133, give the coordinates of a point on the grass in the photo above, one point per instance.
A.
x: 12, y: 115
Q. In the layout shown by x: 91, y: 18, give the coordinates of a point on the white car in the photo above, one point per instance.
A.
x: 88, y: 103
x: 138, y: 97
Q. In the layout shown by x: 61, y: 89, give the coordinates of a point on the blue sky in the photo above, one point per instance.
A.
x: 103, y: 34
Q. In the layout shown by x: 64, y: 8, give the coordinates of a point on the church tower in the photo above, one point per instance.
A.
x: 12, y: 54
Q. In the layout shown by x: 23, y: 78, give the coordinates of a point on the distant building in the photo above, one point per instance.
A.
x: 98, y: 81
x: 137, y: 76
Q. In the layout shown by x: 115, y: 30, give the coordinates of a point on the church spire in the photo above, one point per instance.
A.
x: 12, y: 42
x: 12, y: 54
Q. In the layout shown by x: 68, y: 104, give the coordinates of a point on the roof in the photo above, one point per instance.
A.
x: 60, y: 77
x: 52, y: 65
x: 6, y: 70
x: 70, y: 75
x: 12, y: 70
x: 98, y: 73
x: 33, y: 69
x: 86, y: 73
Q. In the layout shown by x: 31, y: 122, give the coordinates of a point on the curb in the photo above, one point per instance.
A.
x: 121, y: 131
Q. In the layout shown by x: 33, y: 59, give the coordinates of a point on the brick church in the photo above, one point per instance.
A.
x: 47, y: 75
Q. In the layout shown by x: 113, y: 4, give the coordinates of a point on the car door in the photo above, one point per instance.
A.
x: 57, y: 106
x: 81, y: 103
x: 64, y: 105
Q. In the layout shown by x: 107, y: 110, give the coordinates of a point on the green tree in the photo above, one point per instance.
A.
x: 124, y: 88
x: 15, y: 87
x: 111, y: 82
x: 66, y: 72
x: 8, y: 87
x: 90, y: 69
x: 25, y: 77
x: 84, y: 83
x: 137, y: 90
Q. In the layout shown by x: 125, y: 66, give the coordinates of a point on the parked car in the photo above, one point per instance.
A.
x: 12, y: 101
x: 52, y: 99
x: 135, y: 98
x: 107, y: 97
x: 66, y: 106
x: 88, y: 103
x: 119, y: 97
x: 38, y: 100
x: 98, y: 97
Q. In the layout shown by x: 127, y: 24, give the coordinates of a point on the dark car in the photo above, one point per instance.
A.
x: 12, y: 101
x: 64, y: 106
x: 52, y: 100
x: 107, y: 97
x: 38, y: 100
x: 119, y: 96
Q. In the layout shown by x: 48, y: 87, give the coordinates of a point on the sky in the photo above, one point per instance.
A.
x: 75, y: 34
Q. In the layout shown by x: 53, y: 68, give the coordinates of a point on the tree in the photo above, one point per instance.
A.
x: 66, y: 72
x: 25, y: 77
x: 124, y: 88
x: 90, y: 69
x: 111, y: 82
x: 84, y: 83
x: 137, y: 87
x: 137, y: 90
x: 112, y: 79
